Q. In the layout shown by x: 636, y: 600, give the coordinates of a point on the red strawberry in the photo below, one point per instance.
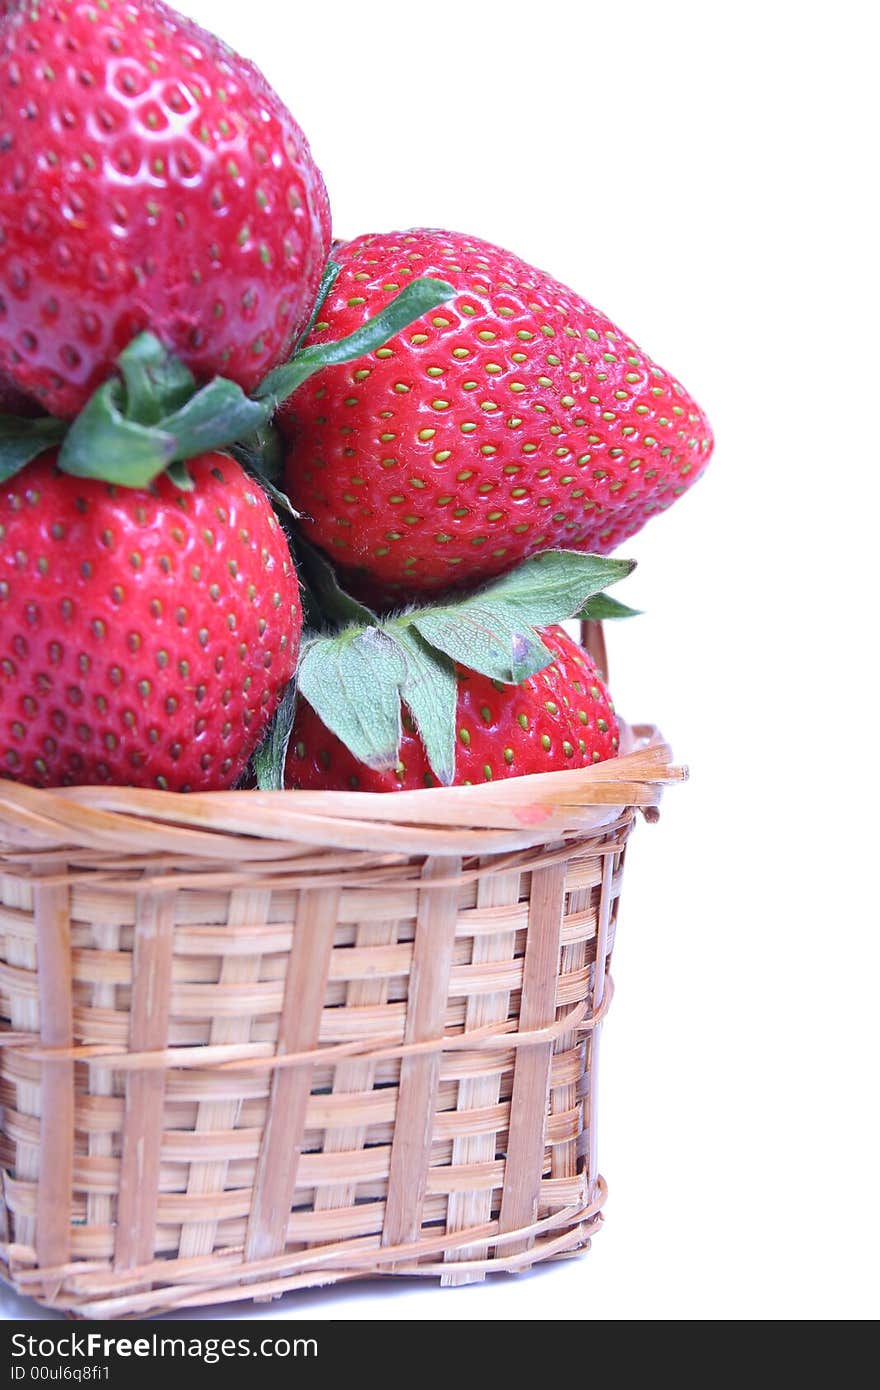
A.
x: 149, y: 177
x: 515, y: 419
x: 145, y: 636
x: 562, y: 717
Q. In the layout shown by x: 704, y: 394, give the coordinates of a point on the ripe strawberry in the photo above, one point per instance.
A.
x: 149, y: 177
x: 146, y: 636
x: 515, y: 419
x: 562, y: 717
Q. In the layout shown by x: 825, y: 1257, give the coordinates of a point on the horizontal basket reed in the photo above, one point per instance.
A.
x: 259, y: 1041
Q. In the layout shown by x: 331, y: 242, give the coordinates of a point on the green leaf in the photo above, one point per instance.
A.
x: 325, y: 602
x: 356, y: 686
x: 328, y: 280
x: 353, y: 684
x: 215, y: 416
x: 418, y: 298
x: 21, y: 441
x: 262, y: 452
x: 280, y: 499
x: 181, y: 477
x: 156, y: 383
x: 102, y: 443
x: 555, y: 585
x: 430, y: 690
x: 271, y: 756
x: 602, y: 606
x: 484, y: 636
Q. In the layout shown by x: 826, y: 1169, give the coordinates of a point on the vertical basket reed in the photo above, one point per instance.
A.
x: 258, y: 1041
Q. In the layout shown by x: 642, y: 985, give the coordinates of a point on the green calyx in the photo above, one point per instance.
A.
x: 154, y: 416
x: 127, y: 434
x: 24, y: 440
x: 357, y: 679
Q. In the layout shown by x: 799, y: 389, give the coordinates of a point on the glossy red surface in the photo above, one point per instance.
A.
x: 145, y: 637
x: 149, y: 178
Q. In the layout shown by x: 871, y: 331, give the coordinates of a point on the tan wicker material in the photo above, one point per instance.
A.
x: 260, y: 1041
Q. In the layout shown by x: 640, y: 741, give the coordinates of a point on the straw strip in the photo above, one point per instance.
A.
x: 257, y: 1057
x: 385, y: 878
x: 52, y: 924
x: 420, y: 1071
x: 98, y: 1278
x: 101, y: 1081
x: 99, y: 818
x: 353, y: 1260
x: 250, y: 906
x: 564, y: 1157
x: 357, y: 1076
x: 531, y: 1081
x: 275, y: 1182
x: 606, y: 908
x: 24, y: 1016
x: 593, y: 638
x: 144, y: 1092
x: 468, y: 1209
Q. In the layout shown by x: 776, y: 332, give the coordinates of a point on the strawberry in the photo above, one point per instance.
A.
x: 149, y: 606
x: 562, y: 717
x: 479, y: 686
x: 149, y: 177
x: 515, y: 419
x: 146, y: 635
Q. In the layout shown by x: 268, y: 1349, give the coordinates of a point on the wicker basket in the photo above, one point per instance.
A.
x: 260, y: 1041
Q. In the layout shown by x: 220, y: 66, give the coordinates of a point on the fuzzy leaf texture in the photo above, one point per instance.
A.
x: 602, y: 606
x: 353, y: 682
x: 487, y: 637
x: 268, y: 761
x: 430, y: 690
x: 557, y: 582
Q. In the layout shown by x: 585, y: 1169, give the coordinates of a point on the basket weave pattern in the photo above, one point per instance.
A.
x: 254, y: 1042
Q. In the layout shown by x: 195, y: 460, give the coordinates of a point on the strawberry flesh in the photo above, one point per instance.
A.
x: 145, y: 636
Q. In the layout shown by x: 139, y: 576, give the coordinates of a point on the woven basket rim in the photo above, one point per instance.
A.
x: 522, y: 811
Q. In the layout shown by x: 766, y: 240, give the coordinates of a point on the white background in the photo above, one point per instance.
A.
x: 704, y: 174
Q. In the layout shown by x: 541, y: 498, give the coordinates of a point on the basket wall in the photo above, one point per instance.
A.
x: 234, y: 1065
